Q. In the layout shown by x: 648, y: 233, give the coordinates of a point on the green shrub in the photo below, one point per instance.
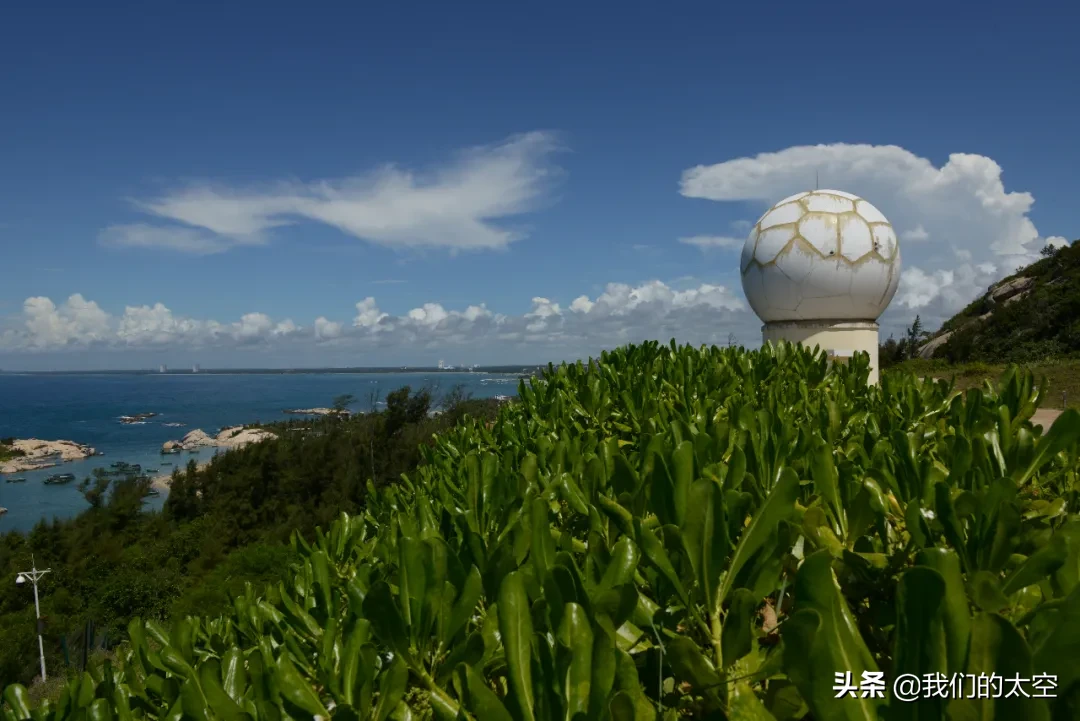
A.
x: 667, y: 532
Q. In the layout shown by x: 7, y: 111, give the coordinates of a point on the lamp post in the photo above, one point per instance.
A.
x: 33, y: 575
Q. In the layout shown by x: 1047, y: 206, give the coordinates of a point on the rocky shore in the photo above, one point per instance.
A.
x: 232, y: 437
x: 37, y: 454
x: 227, y: 438
x: 137, y: 418
x: 317, y: 412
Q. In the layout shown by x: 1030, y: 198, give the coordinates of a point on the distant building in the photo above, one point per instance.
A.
x: 195, y: 368
x: 163, y: 368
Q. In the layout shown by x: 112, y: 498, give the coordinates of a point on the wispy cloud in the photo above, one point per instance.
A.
x: 713, y: 241
x: 458, y: 206
x: 388, y: 281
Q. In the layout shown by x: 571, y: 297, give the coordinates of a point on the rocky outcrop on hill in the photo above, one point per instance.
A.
x: 1003, y: 293
x: 43, y: 454
x: 231, y: 437
x: 1010, y: 290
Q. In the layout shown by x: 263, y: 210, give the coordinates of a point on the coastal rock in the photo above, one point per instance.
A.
x: 137, y: 418
x: 231, y: 437
x: 237, y: 437
x: 196, y: 439
x: 44, y: 454
x: 317, y: 412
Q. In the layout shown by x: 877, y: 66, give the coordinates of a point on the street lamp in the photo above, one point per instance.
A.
x: 33, y: 575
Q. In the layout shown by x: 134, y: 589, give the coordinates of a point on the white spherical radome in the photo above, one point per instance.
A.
x: 821, y: 255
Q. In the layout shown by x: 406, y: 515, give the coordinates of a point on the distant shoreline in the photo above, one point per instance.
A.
x: 492, y: 370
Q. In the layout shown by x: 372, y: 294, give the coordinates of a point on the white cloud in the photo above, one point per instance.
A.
x: 457, y: 206
x: 142, y: 235
x: 915, y: 234
x: 77, y: 321
x: 621, y: 313
x: 327, y: 329
x: 714, y: 241
x: 956, y: 221
x: 368, y: 314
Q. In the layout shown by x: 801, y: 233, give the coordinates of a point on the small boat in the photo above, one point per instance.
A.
x: 153, y: 493
x: 2, y: 510
x: 15, y: 480
x: 166, y: 463
x: 60, y: 478
x: 119, y: 464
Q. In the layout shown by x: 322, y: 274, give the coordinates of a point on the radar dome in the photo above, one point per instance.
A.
x: 821, y: 255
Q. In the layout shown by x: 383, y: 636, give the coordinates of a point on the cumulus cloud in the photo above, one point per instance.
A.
x: 77, y: 319
x: 915, y: 234
x: 327, y: 329
x: 458, y: 206
x: 960, y: 229
x: 621, y: 313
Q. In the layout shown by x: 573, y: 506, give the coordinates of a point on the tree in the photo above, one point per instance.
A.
x: 95, y: 495
x: 401, y: 408
x: 342, y: 402
x: 914, y: 337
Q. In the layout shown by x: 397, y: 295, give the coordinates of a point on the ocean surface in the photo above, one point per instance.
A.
x: 86, y: 409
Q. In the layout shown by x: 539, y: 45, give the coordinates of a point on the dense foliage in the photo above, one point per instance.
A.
x: 1044, y: 323
x: 664, y: 532
x: 221, y: 527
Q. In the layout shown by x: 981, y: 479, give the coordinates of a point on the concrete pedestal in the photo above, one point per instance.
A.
x: 842, y: 339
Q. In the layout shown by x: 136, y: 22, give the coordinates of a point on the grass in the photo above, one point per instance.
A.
x: 7, y: 452
x: 1063, y: 377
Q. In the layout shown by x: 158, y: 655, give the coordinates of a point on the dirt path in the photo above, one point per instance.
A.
x: 1045, y: 417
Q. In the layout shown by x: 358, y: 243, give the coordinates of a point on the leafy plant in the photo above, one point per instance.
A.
x: 662, y: 532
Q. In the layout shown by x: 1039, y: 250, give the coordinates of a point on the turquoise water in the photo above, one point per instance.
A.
x: 86, y: 409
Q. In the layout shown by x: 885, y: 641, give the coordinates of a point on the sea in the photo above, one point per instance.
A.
x: 86, y: 408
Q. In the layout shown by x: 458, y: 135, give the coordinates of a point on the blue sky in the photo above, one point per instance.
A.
x: 254, y: 167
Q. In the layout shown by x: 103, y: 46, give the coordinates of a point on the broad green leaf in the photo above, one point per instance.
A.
x: 744, y: 705
x: 920, y: 646
x: 957, y: 612
x: 691, y: 666
x: 737, y: 636
x: 516, y: 630
x: 1058, y: 653
x: 481, y: 700
x: 392, y: 686
x: 997, y: 649
x: 295, y: 688
x: 779, y: 506
x: 575, y: 633
x: 822, y: 640
x: 1063, y: 433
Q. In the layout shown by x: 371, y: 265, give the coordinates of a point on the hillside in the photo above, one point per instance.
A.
x: 221, y: 527
x: 1030, y: 316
